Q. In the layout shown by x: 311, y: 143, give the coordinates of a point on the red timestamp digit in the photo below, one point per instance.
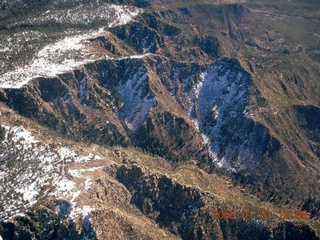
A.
x: 232, y: 214
x: 265, y: 214
x: 300, y: 214
x: 246, y: 214
x: 284, y: 214
x: 228, y: 214
x: 218, y: 214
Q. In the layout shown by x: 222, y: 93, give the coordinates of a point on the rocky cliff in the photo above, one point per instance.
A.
x: 233, y: 96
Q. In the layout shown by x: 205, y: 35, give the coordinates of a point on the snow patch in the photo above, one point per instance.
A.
x: 52, y: 60
x: 68, y: 155
x: 124, y: 15
x: 31, y: 168
x: 19, y: 135
x: 75, y: 173
x: 64, y: 188
x: 222, y: 97
x: 217, y: 102
x: 63, y: 55
x: 90, y: 169
x: 81, y: 211
x: 87, y: 183
x: 137, y: 100
x: 83, y: 89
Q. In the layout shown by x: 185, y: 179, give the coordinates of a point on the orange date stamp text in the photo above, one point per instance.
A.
x: 261, y: 214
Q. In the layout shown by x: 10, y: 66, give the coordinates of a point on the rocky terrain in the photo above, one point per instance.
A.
x: 101, y: 192
x: 140, y: 119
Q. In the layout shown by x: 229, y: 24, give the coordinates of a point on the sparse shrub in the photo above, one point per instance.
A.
x: 2, y: 133
x: 209, y: 44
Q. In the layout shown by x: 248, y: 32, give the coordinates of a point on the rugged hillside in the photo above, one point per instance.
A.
x: 234, y: 95
x: 96, y: 192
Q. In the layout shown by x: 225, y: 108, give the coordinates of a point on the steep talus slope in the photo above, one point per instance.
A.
x: 129, y: 91
x: 183, y: 210
x: 126, y: 102
x: 124, y: 193
x: 308, y: 119
x: 67, y: 193
x: 283, y: 73
x: 74, y: 103
x: 234, y: 93
x: 210, y: 105
x: 218, y: 103
x: 187, y: 211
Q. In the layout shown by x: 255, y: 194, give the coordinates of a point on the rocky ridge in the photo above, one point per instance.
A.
x: 134, y: 87
x: 126, y: 193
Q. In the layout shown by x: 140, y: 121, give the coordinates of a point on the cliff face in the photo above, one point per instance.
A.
x: 89, y: 191
x: 234, y: 93
x: 173, y: 109
x: 185, y: 211
x: 130, y: 201
x: 169, y: 108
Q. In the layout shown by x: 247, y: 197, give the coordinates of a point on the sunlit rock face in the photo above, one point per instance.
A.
x: 139, y: 123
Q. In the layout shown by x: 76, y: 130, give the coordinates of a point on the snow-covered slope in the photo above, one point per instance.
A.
x: 222, y: 98
x: 30, y: 170
x: 85, y: 14
x: 135, y: 93
x: 217, y: 100
x: 62, y: 55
